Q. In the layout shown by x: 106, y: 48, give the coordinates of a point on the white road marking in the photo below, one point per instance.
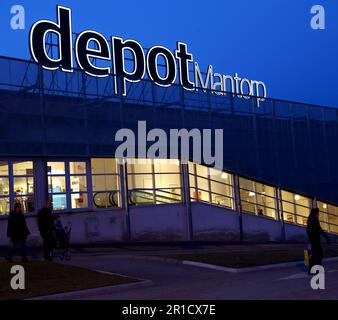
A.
x: 302, y: 275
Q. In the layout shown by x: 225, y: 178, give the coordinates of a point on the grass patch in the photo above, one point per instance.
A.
x: 50, y: 278
x: 252, y: 256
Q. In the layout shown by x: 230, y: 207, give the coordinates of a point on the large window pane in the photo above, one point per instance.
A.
x: 333, y: 218
x: 24, y: 185
x: 23, y: 168
x: 77, y: 167
x: 167, y: 181
x: 79, y: 200
x: 57, y: 184
x: 27, y: 203
x: 78, y: 183
x: 140, y: 181
x: 168, y: 196
x: 166, y: 166
x: 59, y: 201
x: 296, y: 208
x: 202, y: 171
x: 3, y: 168
x: 106, y: 199
x: 4, y: 186
x: 4, y: 205
x: 105, y: 182
x: 139, y: 166
x: 104, y: 166
x: 56, y: 168
x: 258, y: 198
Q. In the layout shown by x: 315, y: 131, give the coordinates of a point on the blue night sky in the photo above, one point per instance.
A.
x: 268, y: 40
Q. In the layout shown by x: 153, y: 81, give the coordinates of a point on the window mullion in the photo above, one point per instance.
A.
x: 89, y: 184
x: 11, y: 185
x: 68, y: 190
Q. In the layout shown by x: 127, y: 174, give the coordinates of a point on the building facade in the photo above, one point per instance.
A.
x: 56, y: 140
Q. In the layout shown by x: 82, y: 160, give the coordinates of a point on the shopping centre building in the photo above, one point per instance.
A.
x: 56, y: 140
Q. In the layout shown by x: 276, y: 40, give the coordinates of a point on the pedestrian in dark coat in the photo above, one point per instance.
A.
x: 17, y: 232
x: 314, y: 231
x: 46, y: 227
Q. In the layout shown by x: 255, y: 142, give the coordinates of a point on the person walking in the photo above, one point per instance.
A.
x: 17, y: 232
x: 314, y: 231
x: 47, y: 229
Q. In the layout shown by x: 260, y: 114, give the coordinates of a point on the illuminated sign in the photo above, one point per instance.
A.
x: 95, y: 56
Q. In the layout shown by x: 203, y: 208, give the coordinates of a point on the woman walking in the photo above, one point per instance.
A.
x: 314, y: 231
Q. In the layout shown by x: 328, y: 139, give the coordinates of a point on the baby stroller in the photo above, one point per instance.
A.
x: 61, y: 241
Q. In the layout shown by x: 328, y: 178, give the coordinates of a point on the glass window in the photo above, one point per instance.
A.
x: 154, y: 181
x: 67, y: 184
x: 79, y: 200
x: 23, y: 184
x: 166, y: 166
x: 23, y: 168
x: 323, y: 215
x: 3, y: 168
x: 104, y: 166
x: 296, y: 208
x: 4, y: 205
x: 213, y: 186
x: 20, y: 188
x: 55, y: 168
x: 257, y: 198
x: 139, y: 165
x: 77, y: 167
x: 105, y: 182
x: 78, y: 183
x: 333, y: 218
x: 4, y: 186
x: 59, y: 201
x: 57, y: 185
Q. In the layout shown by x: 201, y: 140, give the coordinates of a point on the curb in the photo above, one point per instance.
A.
x: 248, y: 269
x: 83, y: 294
x: 218, y: 267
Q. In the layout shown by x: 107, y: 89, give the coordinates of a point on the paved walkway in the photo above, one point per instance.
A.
x: 176, y: 281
